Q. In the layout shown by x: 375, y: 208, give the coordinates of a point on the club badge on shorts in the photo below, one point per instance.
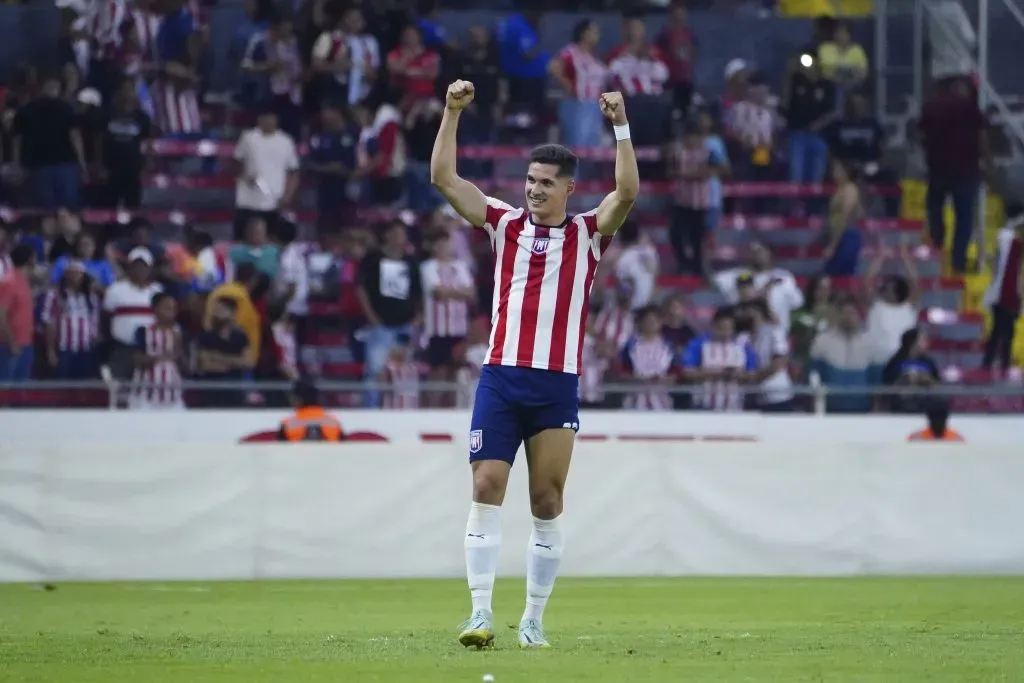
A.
x: 476, y: 440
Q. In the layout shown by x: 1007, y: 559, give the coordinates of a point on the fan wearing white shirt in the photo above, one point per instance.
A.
x: 776, y: 286
x: 293, y: 278
x: 638, y: 264
x: 267, y: 166
x: 771, y: 346
x: 893, y: 310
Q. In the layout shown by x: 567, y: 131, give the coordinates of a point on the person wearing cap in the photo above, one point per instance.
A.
x: 310, y: 422
x: 127, y: 306
x: 70, y: 317
x: 267, y: 166
x: 937, y: 413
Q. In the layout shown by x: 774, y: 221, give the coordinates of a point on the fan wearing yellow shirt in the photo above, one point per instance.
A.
x: 247, y: 317
x: 843, y: 60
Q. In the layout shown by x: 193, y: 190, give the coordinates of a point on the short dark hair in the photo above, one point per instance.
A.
x: 158, y: 297
x: 936, y: 410
x: 580, y: 28
x: 556, y: 155
x: 647, y: 310
x: 723, y: 313
x: 306, y: 392
x: 22, y: 255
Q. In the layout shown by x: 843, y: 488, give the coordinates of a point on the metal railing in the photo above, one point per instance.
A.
x: 815, y: 396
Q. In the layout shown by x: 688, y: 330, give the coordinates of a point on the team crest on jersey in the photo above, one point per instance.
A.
x: 540, y: 245
x: 476, y: 440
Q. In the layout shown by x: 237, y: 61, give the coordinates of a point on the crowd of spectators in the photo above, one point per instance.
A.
x: 347, y: 93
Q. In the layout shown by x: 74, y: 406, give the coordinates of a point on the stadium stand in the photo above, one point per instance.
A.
x: 188, y: 184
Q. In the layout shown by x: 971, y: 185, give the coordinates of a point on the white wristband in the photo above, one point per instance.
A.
x: 621, y: 132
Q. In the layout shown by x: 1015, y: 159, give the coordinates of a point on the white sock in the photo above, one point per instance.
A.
x: 542, y: 560
x: 483, y: 541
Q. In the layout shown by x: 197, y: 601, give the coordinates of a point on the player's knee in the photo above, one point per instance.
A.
x: 546, y: 499
x: 489, y: 486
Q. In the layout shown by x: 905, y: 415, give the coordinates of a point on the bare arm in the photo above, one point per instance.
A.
x: 614, y: 208
x: 465, y: 197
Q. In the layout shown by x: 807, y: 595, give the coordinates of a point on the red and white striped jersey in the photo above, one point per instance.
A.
x: 542, y: 281
x: 177, y: 108
x: 158, y: 386
x: 633, y: 74
x: 751, y: 123
x: 586, y: 72
x: 614, y: 324
x: 75, y: 317
x: 106, y: 17
x: 404, y: 381
x: 445, y: 317
x: 648, y: 359
x: 147, y: 24
x: 687, y: 192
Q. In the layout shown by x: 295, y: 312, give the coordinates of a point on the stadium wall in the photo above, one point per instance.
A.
x: 168, y: 512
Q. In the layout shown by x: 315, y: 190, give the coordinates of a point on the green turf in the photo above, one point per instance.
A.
x: 666, y: 630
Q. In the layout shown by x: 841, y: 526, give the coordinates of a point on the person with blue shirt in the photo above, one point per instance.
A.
x: 100, y: 269
x: 720, y: 159
x: 332, y: 160
x: 429, y: 23
x: 522, y: 59
x: 719, y: 364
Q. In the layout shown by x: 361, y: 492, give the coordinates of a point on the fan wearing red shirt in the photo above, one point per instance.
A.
x: 639, y: 71
x: 413, y: 68
x: 677, y: 45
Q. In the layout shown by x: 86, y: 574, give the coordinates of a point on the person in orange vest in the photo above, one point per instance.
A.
x: 937, y: 412
x: 310, y: 422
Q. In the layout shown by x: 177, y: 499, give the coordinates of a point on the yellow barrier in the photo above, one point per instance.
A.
x: 913, y: 208
x: 809, y: 9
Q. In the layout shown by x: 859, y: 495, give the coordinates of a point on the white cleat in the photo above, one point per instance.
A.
x: 531, y: 635
x: 478, y: 630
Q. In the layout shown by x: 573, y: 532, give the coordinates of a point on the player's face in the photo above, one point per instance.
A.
x: 546, y: 192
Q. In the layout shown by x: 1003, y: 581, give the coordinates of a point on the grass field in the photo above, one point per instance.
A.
x: 666, y: 630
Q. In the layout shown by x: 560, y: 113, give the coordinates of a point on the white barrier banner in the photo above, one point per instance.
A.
x: 208, y: 427
x: 164, y: 513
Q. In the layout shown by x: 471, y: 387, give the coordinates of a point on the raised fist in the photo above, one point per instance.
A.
x: 613, y: 107
x: 460, y: 95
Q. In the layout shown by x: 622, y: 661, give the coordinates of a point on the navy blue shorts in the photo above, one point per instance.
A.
x: 513, y: 404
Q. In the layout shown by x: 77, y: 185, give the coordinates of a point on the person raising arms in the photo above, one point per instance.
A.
x: 528, y: 393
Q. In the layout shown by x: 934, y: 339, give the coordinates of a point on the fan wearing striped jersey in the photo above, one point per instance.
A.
x: 528, y: 392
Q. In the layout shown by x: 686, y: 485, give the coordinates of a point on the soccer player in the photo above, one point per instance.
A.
x: 528, y: 392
